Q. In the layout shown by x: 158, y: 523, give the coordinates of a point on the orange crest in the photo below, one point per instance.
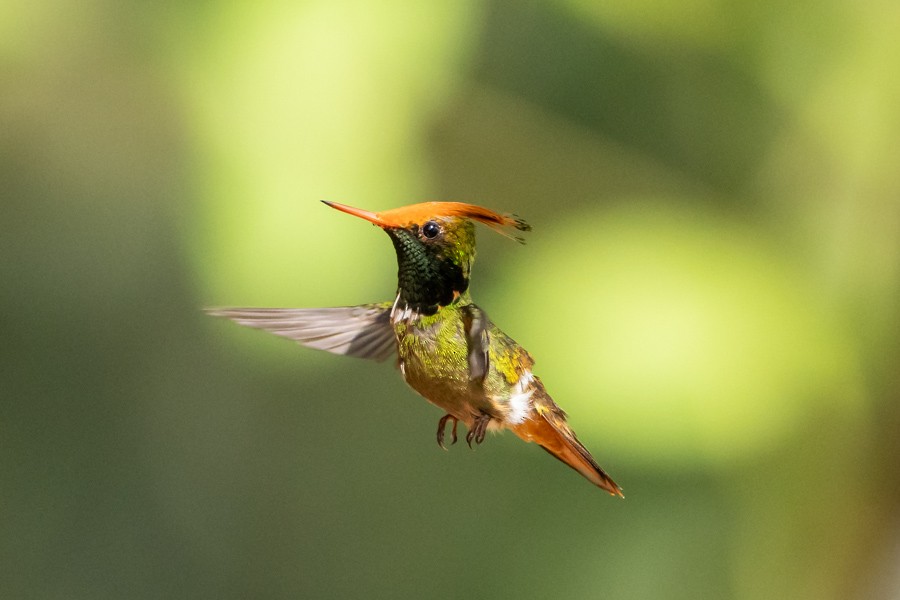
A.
x: 417, y: 214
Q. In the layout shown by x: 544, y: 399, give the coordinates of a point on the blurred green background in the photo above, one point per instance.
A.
x: 710, y: 290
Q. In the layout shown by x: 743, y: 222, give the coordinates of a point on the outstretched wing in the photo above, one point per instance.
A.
x: 362, y: 331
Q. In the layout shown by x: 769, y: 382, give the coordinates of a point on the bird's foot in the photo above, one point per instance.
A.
x: 479, y: 428
x: 442, y: 425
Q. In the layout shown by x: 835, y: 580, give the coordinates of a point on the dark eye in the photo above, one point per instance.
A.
x: 431, y: 229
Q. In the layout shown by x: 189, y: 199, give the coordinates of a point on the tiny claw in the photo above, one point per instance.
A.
x: 479, y: 437
x: 478, y: 430
x: 442, y: 425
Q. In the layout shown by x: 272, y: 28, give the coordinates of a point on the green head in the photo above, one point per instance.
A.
x: 435, y: 244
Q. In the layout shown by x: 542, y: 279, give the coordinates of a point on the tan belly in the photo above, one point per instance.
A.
x: 434, y: 362
x: 444, y: 381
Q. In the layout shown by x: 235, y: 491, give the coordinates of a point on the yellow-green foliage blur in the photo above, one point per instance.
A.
x: 711, y: 291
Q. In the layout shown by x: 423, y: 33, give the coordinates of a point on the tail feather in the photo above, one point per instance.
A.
x: 548, y: 428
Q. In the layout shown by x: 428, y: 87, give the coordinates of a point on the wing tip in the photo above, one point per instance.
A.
x: 550, y: 432
x: 610, y: 486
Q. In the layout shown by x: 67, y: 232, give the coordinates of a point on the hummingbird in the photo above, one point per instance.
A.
x: 446, y: 347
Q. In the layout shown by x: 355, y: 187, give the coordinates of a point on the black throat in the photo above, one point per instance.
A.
x: 426, y: 278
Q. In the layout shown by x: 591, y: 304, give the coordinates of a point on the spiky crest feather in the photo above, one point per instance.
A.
x: 425, y: 211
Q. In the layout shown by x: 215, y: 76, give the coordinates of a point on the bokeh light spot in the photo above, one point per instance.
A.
x: 680, y: 337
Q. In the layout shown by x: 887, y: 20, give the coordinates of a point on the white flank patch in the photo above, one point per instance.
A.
x: 397, y: 311
x: 400, y: 315
x: 520, y: 401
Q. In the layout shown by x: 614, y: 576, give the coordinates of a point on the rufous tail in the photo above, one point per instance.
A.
x: 548, y: 428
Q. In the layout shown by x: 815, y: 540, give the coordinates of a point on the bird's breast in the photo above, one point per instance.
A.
x: 434, y: 361
x: 433, y: 358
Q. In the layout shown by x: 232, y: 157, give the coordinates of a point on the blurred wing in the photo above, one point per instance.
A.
x: 475, y: 325
x: 361, y: 331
